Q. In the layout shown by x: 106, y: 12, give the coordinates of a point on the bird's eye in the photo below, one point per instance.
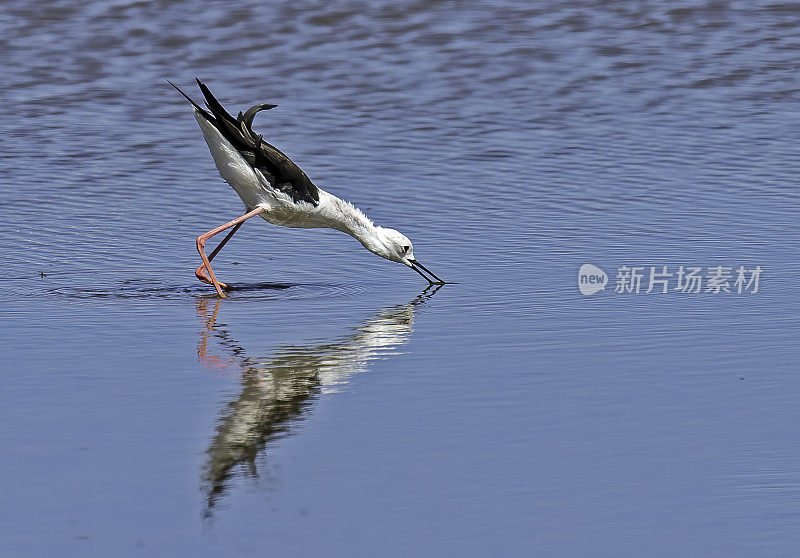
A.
x: 406, y: 249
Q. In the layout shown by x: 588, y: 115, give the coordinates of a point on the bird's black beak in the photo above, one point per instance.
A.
x: 419, y: 268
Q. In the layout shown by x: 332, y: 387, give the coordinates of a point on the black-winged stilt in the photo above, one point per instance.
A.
x: 272, y: 186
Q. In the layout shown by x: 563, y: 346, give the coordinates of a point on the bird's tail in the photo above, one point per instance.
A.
x: 237, y: 130
x: 197, y: 107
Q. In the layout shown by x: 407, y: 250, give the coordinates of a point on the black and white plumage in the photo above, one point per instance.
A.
x: 271, y: 185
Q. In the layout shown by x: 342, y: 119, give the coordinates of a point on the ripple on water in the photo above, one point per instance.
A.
x: 151, y: 289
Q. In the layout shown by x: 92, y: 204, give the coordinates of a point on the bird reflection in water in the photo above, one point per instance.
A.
x: 278, y: 389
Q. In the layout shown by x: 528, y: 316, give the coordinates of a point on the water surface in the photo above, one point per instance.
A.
x: 330, y: 406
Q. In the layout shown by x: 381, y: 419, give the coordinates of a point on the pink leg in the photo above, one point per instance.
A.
x: 200, y: 272
x: 201, y: 248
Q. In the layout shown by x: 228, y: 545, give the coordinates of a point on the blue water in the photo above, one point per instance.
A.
x: 329, y: 406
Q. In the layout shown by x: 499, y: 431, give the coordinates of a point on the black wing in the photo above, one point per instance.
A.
x: 278, y: 169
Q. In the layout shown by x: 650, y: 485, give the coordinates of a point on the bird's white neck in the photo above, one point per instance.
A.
x: 346, y: 217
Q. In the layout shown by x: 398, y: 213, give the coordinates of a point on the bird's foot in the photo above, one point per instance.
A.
x: 200, y: 273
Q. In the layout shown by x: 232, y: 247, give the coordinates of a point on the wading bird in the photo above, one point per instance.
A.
x: 272, y: 186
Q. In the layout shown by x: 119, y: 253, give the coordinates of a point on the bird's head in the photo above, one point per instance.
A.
x: 395, y: 246
x: 392, y: 245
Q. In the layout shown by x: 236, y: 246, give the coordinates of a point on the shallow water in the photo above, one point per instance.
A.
x: 331, y: 407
